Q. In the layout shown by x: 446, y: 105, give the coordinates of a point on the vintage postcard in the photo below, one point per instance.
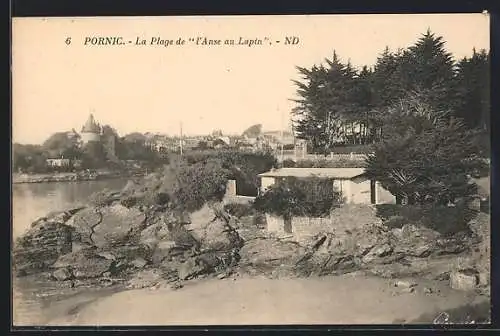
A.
x: 251, y: 170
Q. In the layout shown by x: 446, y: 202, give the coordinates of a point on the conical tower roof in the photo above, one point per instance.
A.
x: 91, y: 126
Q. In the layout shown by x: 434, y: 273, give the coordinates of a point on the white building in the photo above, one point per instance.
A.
x: 354, y: 186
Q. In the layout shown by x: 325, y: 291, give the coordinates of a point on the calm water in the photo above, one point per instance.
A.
x: 35, y: 200
x: 30, y: 202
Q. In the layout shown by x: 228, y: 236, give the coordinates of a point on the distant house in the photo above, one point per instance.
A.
x: 58, y: 163
x: 353, y: 184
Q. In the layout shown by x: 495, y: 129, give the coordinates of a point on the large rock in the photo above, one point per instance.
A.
x: 271, y: 252
x: 41, y: 246
x: 192, y: 267
x: 415, y: 241
x: 463, y: 280
x: 378, y: 251
x: 85, y: 221
x: 84, y: 264
x: 210, y: 227
x: 117, y: 225
x: 60, y: 217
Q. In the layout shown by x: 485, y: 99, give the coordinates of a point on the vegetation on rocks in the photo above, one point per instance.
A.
x: 289, y: 197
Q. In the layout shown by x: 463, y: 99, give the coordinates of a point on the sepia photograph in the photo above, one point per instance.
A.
x: 251, y: 170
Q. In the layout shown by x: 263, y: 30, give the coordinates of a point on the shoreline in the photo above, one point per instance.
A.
x: 69, y: 177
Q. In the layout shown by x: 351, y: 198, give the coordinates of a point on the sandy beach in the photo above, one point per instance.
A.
x: 347, y: 299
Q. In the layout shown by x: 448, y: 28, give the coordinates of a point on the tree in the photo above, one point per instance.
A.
x: 94, y: 155
x: 62, y: 144
x: 473, y: 81
x: 253, y: 131
x: 290, y: 197
x: 427, y: 67
x: 325, y: 100
x: 424, y: 156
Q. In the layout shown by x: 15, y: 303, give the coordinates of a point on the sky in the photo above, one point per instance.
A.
x: 155, y: 88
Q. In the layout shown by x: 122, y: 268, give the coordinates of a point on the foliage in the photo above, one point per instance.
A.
x: 325, y: 163
x: 425, y: 157
x: 28, y: 158
x: 244, y: 167
x: 337, y: 104
x: 239, y: 210
x: 314, y: 197
x: 199, y: 183
x: 444, y: 219
x: 288, y: 163
x: 253, y: 131
x: 188, y: 182
x: 94, y: 155
x: 60, y: 144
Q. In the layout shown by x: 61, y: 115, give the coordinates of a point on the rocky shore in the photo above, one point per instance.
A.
x: 118, y: 242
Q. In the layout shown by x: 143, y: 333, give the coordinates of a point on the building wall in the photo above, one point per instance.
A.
x: 87, y: 137
x: 360, y: 190
x: 341, y: 221
x: 383, y: 196
x: 231, y: 188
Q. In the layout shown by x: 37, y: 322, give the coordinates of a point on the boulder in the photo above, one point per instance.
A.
x: 270, y: 251
x: 139, y: 262
x: 378, y: 251
x: 149, y: 236
x: 84, y: 264
x: 464, y: 280
x: 145, y: 278
x: 192, y: 267
x: 84, y: 223
x: 117, y: 225
x: 210, y: 227
x: 60, y: 217
x: 41, y: 246
x: 414, y: 241
x: 62, y: 274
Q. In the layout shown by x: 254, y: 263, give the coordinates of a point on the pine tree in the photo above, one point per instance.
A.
x: 427, y: 67
x: 423, y: 156
x: 325, y: 102
x: 473, y: 81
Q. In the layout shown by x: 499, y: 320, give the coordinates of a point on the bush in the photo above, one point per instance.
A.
x: 129, y: 201
x: 239, y: 210
x: 325, y: 163
x: 443, y: 219
x: 314, y: 197
x: 395, y: 222
x: 288, y: 163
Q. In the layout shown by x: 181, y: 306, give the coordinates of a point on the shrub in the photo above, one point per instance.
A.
x: 289, y: 197
x: 325, y: 163
x: 288, y: 163
x: 444, y: 219
x: 129, y: 201
x: 239, y: 210
x: 395, y: 222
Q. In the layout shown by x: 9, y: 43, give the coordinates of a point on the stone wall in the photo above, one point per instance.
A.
x: 341, y: 221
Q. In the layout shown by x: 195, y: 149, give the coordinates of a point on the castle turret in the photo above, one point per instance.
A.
x: 91, y: 131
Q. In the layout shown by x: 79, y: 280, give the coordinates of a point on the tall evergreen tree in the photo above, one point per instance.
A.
x: 427, y: 67
x: 473, y: 81
x: 325, y: 98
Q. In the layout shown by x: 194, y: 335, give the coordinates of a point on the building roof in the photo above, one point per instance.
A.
x: 334, y: 173
x: 91, y: 126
